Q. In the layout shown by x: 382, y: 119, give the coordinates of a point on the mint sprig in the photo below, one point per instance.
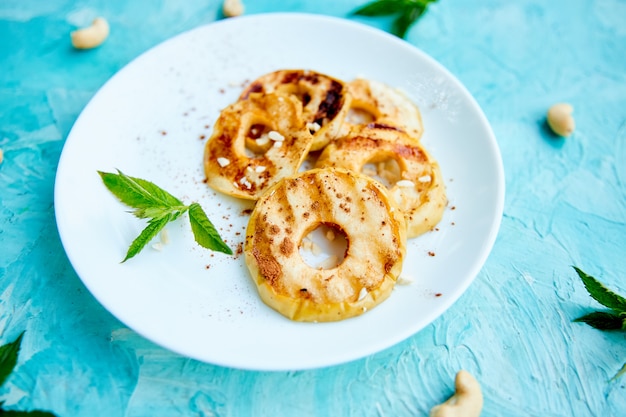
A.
x: 407, y: 11
x: 614, y: 319
x: 602, y: 320
x: 151, y: 202
x: 8, y: 359
x: 602, y: 294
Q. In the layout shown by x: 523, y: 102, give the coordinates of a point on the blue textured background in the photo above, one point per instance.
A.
x: 565, y: 205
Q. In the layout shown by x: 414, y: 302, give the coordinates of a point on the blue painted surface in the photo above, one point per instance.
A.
x: 565, y: 205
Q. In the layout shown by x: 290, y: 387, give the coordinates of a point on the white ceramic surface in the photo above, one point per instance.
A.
x: 151, y: 120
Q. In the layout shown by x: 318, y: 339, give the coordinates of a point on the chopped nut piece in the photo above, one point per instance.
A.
x: 165, y: 237
x: 405, y: 183
x: 313, y: 127
x: 275, y: 136
x: 223, y: 161
x: 263, y: 140
x: 245, y: 182
x: 362, y: 293
x: 309, y: 245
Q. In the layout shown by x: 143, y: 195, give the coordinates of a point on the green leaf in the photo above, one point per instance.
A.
x: 34, y: 413
x: 159, y: 212
x: 204, y: 231
x: 157, y: 192
x: 154, y: 203
x: 8, y: 357
x: 403, y: 23
x: 382, y: 8
x: 146, y: 235
x: 602, y: 294
x: 137, y: 193
x: 408, y: 12
x: 603, y: 321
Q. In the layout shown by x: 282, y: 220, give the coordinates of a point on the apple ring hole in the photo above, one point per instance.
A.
x: 358, y: 116
x: 300, y: 92
x: 385, y: 170
x: 257, y: 140
x: 325, y: 247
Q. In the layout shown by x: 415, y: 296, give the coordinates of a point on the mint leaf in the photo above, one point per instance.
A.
x: 8, y: 360
x: 204, y: 231
x: 408, y: 12
x: 158, y: 212
x: 35, y: 413
x: 602, y: 294
x: 403, y: 23
x: 381, y: 8
x: 604, y: 321
x: 156, y: 191
x: 8, y: 357
x: 137, y: 193
x: 147, y: 234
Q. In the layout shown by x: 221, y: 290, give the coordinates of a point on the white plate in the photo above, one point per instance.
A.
x: 151, y: 120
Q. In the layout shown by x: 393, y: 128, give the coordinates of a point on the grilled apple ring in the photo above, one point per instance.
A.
x: 376, y: 102
x: 417, y: 187
x: 353, y: 203
x: 274, y: 121
x: 325, y: 99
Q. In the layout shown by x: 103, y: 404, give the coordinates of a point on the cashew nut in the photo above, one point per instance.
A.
x: 560, y: 119
x: 232, y: 8
x: 91, y: 36
x: 467, y: 400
